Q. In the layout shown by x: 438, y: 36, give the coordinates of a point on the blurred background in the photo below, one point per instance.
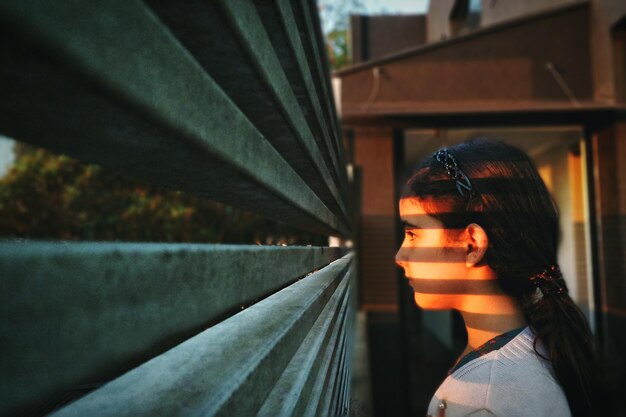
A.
x: 547, y: 76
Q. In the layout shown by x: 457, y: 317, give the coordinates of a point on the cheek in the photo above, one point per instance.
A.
x: 438, y: 267
x: 427, y: 258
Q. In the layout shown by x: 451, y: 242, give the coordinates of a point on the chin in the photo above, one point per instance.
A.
x: 432, y: 301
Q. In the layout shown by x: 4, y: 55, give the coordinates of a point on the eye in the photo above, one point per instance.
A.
x: 410, y: 234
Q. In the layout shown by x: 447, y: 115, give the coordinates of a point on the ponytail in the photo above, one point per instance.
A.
x: 566, y: 341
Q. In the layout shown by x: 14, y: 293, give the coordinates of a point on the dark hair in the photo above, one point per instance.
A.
x: 511, y: 202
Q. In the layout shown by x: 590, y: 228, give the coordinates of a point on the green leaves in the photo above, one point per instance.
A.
x: 338, y: 53
x: 48, y: 196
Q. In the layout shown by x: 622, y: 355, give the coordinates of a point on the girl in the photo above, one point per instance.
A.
x: 481, y: 236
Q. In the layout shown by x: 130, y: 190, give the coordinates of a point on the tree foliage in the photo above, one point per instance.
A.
x: 48, y: 196
x: 337, y: 46
x: 336, y: 27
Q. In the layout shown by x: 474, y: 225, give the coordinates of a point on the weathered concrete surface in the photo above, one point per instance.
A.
x: 293, y: 390
x: 227, y: 370
x: 79, y: 313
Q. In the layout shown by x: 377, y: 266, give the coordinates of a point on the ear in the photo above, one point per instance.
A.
x: 475, y: 243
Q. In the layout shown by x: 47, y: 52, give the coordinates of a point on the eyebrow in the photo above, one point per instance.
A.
x: 408, y: 225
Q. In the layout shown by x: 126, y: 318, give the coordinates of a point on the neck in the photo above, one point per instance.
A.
x: 500, y: 314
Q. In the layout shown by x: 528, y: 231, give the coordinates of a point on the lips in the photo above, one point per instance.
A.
x: 436, y: 286
x: 414, y: 283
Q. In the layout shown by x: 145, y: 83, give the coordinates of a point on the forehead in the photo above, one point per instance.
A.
x: 412, y: 212
x: 410, y: 206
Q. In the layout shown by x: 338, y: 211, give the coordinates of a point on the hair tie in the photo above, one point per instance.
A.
x: 449, y: 162
x: 550, y: 281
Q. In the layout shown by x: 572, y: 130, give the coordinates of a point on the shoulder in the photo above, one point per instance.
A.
x: 512, y: 381
x: 523, y: 383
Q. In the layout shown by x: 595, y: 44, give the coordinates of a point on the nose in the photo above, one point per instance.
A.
x: 400, y: 257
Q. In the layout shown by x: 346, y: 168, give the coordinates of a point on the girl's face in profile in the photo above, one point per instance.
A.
x: 432, y: 257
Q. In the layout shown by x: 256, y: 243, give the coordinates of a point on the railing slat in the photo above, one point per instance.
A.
x: 231, y: 43
x: 226, y: 370
x: 316, y: 63
x: 100, y: 309
x: 295, y: 384
x: 343, y: 403
x: 322, y: 380
x: 332, y: 374
x: 249, y: 27
x: 141, y: 104
x: 310, y: 29
x: 288, y: 19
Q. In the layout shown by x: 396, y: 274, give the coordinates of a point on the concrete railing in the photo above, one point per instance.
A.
x: 225, y: 99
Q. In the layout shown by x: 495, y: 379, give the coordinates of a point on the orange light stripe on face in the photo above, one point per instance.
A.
x: 454, y: 286
x: 444, y: 271
x: 450, y: 246
x: 410, y: 207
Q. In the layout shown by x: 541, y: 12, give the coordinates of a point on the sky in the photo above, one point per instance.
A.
x: 333, y: 10
x: 6, y: 154
x: 397, y: 6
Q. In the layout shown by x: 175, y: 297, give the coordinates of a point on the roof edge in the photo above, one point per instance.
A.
x: 505, y: 24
